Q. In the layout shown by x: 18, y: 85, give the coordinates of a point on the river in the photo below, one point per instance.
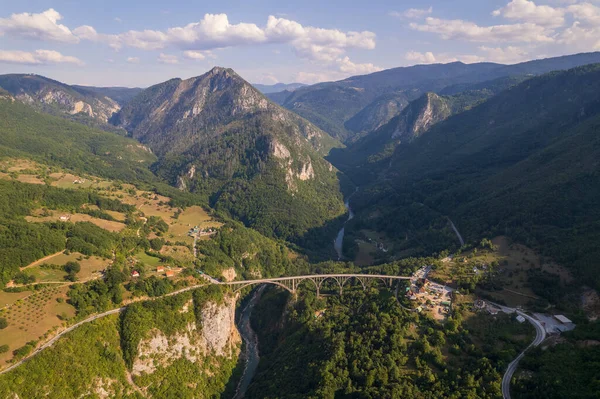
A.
x: 250, y: 344
x: 338, y: 242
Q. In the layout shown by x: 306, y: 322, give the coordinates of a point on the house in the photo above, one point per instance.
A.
x: 562, y: 319
x: 135, y: 273
x: 160, y: 269
x: 170, y: 273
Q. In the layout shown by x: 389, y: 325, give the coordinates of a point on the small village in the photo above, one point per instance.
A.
x: 428, y: 295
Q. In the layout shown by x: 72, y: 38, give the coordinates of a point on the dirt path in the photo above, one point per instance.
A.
x: 40, y: 261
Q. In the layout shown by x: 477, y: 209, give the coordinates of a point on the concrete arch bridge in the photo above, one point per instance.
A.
x: 291, y: 283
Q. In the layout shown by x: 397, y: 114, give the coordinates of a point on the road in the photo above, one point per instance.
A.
x: 462, y: 242
x: 210, y: 280
x: 540, y: 335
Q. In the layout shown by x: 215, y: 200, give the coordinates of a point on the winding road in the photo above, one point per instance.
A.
x: 540, y: 336
x: 211, y: 281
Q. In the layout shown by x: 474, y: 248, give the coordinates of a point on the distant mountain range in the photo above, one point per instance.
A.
x: 360, y: 104
x: 277, y: 87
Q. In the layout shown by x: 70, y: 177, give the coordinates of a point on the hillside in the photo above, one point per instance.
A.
x: 26, y: 132
x: 76, y: 103
x: 130, y: 356
x: 277, y: 87
x: 370, y: 153
x: 516, y: 164
x: 217, y: 136
x: 358, y: 104
x: 121, y: 95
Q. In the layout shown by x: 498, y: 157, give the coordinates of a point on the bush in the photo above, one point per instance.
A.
x: 72, y: 267
x: 3, y: 348
x: 3, y: 323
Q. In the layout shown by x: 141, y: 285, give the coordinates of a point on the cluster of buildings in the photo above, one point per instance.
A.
x: 197, y: 231
x: 159, y: 270
x: 428, y: 294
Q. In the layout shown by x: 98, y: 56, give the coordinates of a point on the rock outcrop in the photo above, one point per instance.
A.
x: 215, y: 336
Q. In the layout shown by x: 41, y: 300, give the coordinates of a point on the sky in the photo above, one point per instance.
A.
x: 137, y: 43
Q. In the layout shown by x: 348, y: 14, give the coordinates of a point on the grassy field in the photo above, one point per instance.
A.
x: 31, y: 179
x: 147, y: 260
x: 178, y: 252
x: 32, y: 317
x: 90, y: 266
x: 79, y: 217
x: 514, y: 260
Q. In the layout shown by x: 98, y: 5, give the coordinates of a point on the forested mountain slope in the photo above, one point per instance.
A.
x: 523, y: 163
x: 375, y: 148
x: 77, y: 103
x: 122, y: 95
x: 54, y: 140
x: 361, y: 103
x: 218, y: 136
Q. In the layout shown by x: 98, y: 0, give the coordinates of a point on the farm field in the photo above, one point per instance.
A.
x: 32, y: 317
x: 178, y: 252
x: 90, y: 266
x: 79, y: 217
x: 189, y: 218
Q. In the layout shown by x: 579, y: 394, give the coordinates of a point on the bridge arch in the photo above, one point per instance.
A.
x: 265, y: 282
x: 334, y: 278
x: 356, y: 278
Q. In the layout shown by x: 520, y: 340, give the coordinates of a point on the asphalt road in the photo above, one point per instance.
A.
x: 540, y: 332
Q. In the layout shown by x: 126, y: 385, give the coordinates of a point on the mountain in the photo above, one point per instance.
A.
x: 378, y: 112
x: 362, y: 103
x: 24, y: 132
x: 277, y: 87
x: 413, y: 121
x: 523, y: 164
x: 218, y: 136
x: 76, y: 103
x: 122, y: 95
x: 55, y: 97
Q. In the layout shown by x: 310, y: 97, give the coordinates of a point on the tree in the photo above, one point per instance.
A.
x: 72, y: 267
x: 3, y: 323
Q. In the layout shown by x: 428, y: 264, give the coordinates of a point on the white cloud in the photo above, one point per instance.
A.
x: 580, y: 38
x: 457, y: 29
x: 587, y: 13
x: 43, y: 26
x: 167, y: 59
x: 269, y: 79
x: 315, y: 77
x: 133, y: 60
x: 412, y: 13
x: 506, y: 55
x: 117, y: 19
x: 37, y: 57
x: 528, y: 11
x: 214, y: 31
x: 198, y: 55
x: 350, y: 68
x: 420, y: 58
x: 510, y: 54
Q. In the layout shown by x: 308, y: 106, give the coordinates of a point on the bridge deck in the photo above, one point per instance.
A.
x: 314, y: 276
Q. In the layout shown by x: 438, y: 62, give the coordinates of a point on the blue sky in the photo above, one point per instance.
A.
x: 139, y: 43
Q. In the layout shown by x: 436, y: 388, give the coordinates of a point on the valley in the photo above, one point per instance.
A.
x: 198, y: 238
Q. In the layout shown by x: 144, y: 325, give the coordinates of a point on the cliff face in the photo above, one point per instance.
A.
x: 216, y: 336
x: 58, y: 98
x: 419, y: 116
